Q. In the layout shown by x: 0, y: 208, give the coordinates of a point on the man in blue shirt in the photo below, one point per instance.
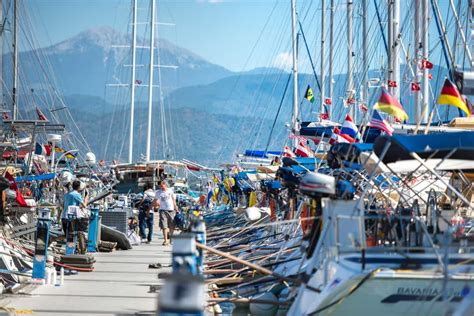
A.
x: 72, y: 198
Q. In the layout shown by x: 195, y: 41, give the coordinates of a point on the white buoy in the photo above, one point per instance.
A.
x: 55, y: 277
x: 262, y: 309
x: 253, y: 213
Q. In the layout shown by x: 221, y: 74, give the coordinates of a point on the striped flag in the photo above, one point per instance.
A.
x: 302, y: 150
x: 287, y: 152
x: 40, y: 114
x: 450, y: 96
x: 378, y: 122
x: 390, y: 105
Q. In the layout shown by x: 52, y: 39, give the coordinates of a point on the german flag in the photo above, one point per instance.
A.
x: 450, y: 96
x: 391, y: 106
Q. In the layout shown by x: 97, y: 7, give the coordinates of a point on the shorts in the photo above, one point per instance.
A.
x: 167, y: 219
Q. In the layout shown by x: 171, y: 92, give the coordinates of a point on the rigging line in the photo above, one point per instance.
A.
x: 381, y: 26
x: 309, y: 56
x: 278, y: 112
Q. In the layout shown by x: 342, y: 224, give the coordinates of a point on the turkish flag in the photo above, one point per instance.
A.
x: 392, y: 83
x: 426, y: 64
x: 324, y: 116
x: 430, y: 76
x: 328, y: 101
x: 415, y: 86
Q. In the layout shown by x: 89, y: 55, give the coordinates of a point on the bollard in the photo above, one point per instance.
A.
x: 182, y: 295
x: 93, y: 230
x: 184, y: 259
x: 41, y: 245
x: 198, y: 228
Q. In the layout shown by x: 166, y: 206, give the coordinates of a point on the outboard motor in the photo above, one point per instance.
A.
x: 316, y: 186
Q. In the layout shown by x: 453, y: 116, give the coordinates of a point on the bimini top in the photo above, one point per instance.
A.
x: 437, y: 145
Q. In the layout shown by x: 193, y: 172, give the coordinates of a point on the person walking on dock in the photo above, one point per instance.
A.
x: 166, y: 201
x: 145, y: 215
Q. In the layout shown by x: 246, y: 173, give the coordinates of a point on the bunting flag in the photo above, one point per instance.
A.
x: 5, y: 116
x: 324, y: 116
x: 392, y: 83
x: 309, y: 94
x: 390, y: 105
x: 378, y: 122
x: 328, y: 101
x: 40, y: 114
x: 415, y: 87
x: 302, y: 150
x: 287, y: 152
x: 450, y: 96
x: 13, y: 186
x: 349, y: 128
x: 363, y: 107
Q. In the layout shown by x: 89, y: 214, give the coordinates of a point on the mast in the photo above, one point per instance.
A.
x: 294, y: 119
x: 396, y: 47
x: 425, y: 6
x: 2, y: 29
x: 15, y: 61
x: 365, y: 60
x: 416, y: 60
x: 132, y: 93
x: 350, y: 82
x: 331, y: 55
x: 150, y: 84
x: 323, y: 28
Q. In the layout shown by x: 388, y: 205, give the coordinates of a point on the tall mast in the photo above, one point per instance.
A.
x: 365, y: 60
x: 331, y: 55
x: 350, y: 82
x: 132, y: 93
x: 294, y: 119
x: 396, y: 47
x: 416, y: 60
x: 150, y: 84
x: 323, y: 31
x: 15, y: 61
x: 2, y: 29
x: 425, y: 42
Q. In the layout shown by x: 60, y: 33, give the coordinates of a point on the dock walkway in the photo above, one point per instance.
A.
x: 119, y: 285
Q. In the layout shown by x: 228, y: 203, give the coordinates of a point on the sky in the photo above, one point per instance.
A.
x: 221, y: 31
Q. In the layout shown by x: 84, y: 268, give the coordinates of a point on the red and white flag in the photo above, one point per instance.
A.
x: 426, y: 64
x: 328, y: 101
x: 392, y: 83
x: 337, y: 137
x: 287, y: 152
x: 415, y: 87
x: 364, y: 108
x: 302, y: 150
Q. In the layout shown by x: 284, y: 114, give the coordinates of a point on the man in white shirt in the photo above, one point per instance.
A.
x: 166, y: 201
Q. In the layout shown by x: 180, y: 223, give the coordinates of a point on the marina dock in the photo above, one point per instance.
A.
x: 121, y: 284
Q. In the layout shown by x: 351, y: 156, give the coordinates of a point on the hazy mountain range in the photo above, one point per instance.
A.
x: 211, y: 111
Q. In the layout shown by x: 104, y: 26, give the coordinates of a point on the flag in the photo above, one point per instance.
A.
x: 415, y: 87
x: 61, y: 150
x: 426, y: 64
x: 450, y: 96
x: 44, y: 150
x: 5, y: 116
x: 390, y: 105
x: 392, y: 83
x: 309, y: 94
x: 13, y: 186
x: 378, y: 122
x: 287, y: 152
x: 324, y: 116
x: 336, y: 137
x: 101, y: 163
x: 364, y: 108
x: 302, y: 150
x: 328, y: 101
x: 349, y: 128
x: 350, y: 100
x: 40, y: 114
x: 430, y: 76
x: 138, y: 81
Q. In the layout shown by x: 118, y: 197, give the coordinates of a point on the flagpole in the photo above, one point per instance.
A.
x: 425, y: 39
x: 416, y: 60
x: 150, y: 85
x: 294, y: 119
x: 350, y: 82
x: 396, y: 47
x: 323, y: 28
x: 331, y: 57
x: 132, y: 92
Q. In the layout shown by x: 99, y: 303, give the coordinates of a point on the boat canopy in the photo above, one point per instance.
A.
x: 41, y: 177
x: 437, y: 145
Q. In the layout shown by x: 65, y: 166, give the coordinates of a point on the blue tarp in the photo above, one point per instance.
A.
x: 261, y: 153
x: 436, y: 145
x: 46, y: 176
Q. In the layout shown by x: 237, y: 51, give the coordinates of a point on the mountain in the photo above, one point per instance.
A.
x: 85, y: 63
